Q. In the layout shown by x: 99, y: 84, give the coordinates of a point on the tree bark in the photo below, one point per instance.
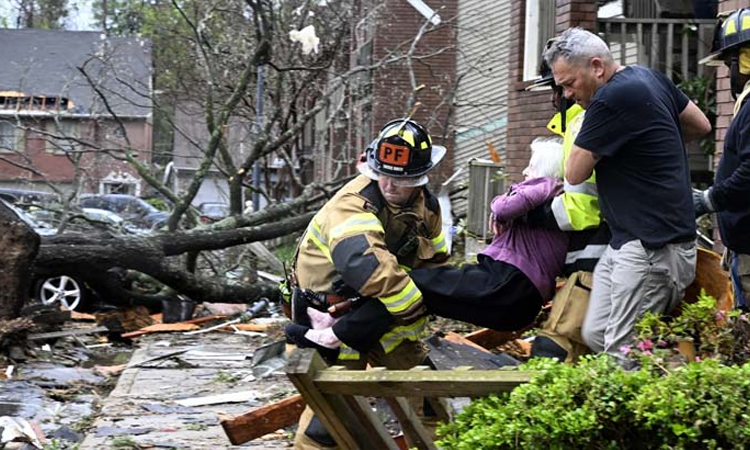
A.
x: 18, y: 247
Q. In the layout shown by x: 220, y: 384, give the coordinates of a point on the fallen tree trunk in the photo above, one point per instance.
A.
x: 18, y: 247
x: 95, y: 256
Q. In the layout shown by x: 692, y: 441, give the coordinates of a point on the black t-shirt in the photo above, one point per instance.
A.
x: 643, y: 177
x: 731, y: 191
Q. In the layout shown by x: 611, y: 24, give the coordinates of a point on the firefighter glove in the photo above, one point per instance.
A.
x: 702, y: 202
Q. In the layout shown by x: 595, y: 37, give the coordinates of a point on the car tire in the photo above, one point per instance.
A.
x: 64, y: 290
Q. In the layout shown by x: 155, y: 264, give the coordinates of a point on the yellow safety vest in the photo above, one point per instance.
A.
x: 578, y: 207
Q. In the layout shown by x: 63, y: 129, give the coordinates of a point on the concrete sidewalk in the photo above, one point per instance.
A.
x: 143, y: 410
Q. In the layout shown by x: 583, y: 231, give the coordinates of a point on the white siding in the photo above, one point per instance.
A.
x: 482, y: 67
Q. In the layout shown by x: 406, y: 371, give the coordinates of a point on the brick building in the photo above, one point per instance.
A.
x: 55, y: 127
x: 644, y: 33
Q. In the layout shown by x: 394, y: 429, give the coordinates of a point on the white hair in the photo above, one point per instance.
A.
x: 547, y: 157
x: 577, y: 46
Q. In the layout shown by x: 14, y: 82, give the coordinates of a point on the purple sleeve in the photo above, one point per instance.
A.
x: 523, y: 197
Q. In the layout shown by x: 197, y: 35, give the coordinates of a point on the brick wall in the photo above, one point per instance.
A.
x: 399, y: 23
x: 56, y: 167
x: 529, y: 112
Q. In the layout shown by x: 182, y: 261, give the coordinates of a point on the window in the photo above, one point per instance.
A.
x: 119, y: 188
x: 64, y: 135
x: 540, y: 26
x: 12, y: 137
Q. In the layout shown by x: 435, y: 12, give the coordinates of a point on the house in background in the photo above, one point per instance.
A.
x: 54, y: 125
x: 665, y: 35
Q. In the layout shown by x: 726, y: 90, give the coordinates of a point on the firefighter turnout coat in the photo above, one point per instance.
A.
x: 370, y: 245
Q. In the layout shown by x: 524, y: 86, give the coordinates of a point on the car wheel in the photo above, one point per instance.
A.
x: 62, y: 289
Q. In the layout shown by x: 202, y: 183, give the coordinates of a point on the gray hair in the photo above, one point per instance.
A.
x: 547, y: 157
x: 577, y: 46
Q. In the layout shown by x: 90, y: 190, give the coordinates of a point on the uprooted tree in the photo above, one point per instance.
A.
x: 233, y: 63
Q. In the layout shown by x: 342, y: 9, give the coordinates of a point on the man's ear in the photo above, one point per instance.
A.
x: 597, y: 65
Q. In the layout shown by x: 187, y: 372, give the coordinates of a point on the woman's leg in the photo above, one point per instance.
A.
x: 491, y: 294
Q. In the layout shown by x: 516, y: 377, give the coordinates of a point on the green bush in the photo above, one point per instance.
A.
x: 668, y: 403
x: 597, y: 405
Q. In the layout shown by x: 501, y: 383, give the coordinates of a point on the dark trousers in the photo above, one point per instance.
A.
x: 490, y: 294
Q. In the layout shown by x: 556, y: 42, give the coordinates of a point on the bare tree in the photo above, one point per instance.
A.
x: 233, y: 58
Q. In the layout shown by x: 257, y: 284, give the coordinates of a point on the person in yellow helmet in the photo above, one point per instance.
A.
x: 729, y: 196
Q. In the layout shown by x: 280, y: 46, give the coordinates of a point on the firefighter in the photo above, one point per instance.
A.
x: 730, y: 194
x: 575, y: 211
x: 362, y: 243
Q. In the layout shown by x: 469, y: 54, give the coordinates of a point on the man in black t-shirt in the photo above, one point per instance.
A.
x: 633, y: 133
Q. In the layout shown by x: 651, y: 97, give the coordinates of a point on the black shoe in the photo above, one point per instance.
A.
x: 545, y: 347
x: 318, y: 433
x: 295, y: 334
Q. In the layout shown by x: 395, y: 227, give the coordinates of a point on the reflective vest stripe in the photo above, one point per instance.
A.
x: 357, y: 224
x: 412, y: 332
x: 587, y: 188
x: 403, y: 299
x: 439, y: 244
x: 314, y: 234
x: 348, y: 353
x: 588, y: 252
x: 561, y: 215
x: 391, y: 340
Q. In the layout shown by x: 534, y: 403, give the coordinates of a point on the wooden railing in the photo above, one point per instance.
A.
x: 337, y: 396
x: 672, y: 46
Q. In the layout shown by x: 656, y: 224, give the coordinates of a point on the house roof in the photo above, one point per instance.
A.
x: 36, y: 62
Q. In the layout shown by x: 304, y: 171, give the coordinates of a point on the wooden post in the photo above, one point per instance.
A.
x: 411, y: 425
x: 344, y: 418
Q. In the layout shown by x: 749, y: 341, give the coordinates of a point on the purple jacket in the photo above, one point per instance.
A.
x: 538, y: 253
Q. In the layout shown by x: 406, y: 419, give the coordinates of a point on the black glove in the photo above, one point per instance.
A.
x: 702, y: 202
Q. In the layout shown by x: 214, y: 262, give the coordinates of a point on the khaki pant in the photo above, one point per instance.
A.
x: 407, y: 355
x: 630, y: 281
x: 563, y: 325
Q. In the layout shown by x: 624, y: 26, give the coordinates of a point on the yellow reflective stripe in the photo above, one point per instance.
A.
x: 439, y: 244
x: 745, y: 23
x: 403, y: 299
x: 348, y: 353
x: 314, y: 234
x: 397, y: 335
x: 425, y: 145
x: 356, y: 224
x: 406, y: 269
x: 729, y: 27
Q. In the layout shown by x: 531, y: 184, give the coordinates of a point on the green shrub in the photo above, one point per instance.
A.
x: 668, y: 403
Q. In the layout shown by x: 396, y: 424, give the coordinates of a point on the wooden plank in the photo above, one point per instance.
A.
x: 406, y: 383
x: 371, y: 430
x: 458, y: 339
x: 623, y: 42
x: 337, y: 415
x: 670, y: 51
x: 490, y: 339
x: 263, y: 420
x: 411, y: 425
x: 148, y: 330
x: 64, y: 333
x: 685, y: 51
